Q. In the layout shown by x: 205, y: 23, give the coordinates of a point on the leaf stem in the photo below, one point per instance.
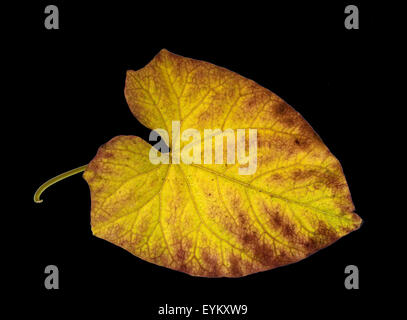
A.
x: 56, y: 179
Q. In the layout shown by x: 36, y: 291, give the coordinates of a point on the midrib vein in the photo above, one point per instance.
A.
x: 247, y: 185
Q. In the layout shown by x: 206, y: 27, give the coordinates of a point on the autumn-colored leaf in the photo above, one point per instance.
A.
x: 207, y: 219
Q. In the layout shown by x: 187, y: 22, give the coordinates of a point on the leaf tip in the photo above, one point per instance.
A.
x: 358, y: 221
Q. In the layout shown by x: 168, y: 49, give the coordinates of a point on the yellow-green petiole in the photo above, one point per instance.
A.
x: 54, y: 180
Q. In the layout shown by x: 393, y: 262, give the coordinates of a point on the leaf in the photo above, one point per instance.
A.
x: 207, y: 219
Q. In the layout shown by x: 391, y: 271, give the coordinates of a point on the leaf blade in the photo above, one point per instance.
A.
x: 206, y: 219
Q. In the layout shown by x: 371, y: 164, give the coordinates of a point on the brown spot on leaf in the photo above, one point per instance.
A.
x: 262, y: 251
x: 281, y: 108
x: 273, y: 178
x: 323, y: 236
x: 279, y: 222
x: 326, y: 232
x: 299, y: 175
x: 235, y: 269
x: 302, y: 143
x: 212, y: 264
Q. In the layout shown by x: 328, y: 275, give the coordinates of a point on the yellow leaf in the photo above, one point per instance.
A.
x: 207, y: 219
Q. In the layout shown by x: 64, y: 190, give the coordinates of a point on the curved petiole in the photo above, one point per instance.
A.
x: 56, y: 179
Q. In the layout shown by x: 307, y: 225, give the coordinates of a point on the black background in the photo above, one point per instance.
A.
x: 301, y: 52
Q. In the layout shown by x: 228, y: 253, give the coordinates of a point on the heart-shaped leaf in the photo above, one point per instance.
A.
x: 209, y: 219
